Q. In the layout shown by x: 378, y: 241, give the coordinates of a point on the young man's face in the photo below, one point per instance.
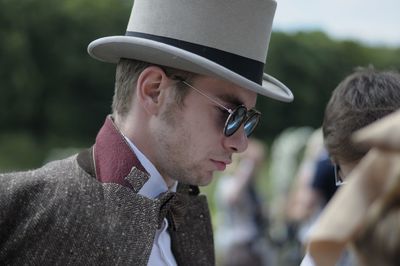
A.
x: 190, y: 139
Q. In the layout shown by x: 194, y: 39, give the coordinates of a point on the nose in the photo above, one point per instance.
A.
x: 238, y: 142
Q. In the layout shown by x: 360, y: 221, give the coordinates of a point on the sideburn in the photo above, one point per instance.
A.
x: 172, y: 113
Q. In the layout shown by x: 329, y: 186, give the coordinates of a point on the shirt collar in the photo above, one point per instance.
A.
x: 156, y: 184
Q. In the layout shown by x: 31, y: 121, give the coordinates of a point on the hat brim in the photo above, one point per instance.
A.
x: 111, y: 49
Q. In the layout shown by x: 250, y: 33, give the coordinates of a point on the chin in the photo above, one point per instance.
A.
x: 201, y: 181
x: 205, y: 180
x: 204, y: 183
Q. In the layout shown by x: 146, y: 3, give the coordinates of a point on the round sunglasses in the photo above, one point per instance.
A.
x: 238, y: 116
x: 241, y: 115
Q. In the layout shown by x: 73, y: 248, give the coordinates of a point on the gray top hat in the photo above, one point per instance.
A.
x: 221, y: 38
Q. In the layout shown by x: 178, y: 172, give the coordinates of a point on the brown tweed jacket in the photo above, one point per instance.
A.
x: 85, y: 210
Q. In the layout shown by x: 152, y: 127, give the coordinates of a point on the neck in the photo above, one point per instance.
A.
x: 138, y: 132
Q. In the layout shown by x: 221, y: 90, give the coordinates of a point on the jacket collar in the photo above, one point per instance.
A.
x: 111, y: 160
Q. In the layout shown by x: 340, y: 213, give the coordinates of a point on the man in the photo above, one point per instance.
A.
x: 364, y: 215
x: 187, y: 79
x: 362, y: 98
x: 359, y: 100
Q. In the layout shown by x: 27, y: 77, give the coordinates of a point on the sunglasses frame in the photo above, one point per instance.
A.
x: 338, y: 177
x: 248, y: 115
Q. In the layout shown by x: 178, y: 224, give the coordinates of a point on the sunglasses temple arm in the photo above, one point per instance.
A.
x: 208, y: 97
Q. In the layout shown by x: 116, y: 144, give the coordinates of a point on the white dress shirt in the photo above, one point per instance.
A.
x: 161, y: 253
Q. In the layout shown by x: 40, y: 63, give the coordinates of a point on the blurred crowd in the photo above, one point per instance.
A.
x: 324, y: 196
x: 259, y: 227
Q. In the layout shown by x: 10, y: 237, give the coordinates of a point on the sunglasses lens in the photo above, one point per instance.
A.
x: 234, y: 121
x: 251, y: 124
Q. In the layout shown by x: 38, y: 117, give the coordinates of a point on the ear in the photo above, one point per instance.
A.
x: 150, y: 88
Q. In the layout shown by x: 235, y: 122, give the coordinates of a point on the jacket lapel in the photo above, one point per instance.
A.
x: 111, y: 160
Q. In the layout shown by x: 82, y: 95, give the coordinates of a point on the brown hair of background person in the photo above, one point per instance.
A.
x: 360, y: 99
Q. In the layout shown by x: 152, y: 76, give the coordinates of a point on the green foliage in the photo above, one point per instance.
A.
x: 49, y: 84
x: 18, y: 150
x: 311, y: 65
x: 53, y: 94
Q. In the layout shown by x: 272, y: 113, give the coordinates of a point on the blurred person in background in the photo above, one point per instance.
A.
x: 364, y: 216
x: 187, y: 79
x: 284, y: 162
x: 313, y: 187
x: 360, y: 99
x: 241, y: 219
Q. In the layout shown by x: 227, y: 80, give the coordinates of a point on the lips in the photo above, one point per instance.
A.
x: 220, y: 165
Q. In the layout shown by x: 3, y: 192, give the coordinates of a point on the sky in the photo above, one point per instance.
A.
x: 373, y: 22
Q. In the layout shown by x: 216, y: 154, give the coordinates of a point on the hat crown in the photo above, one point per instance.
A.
x: 241, y: 27
x: 227, y: 39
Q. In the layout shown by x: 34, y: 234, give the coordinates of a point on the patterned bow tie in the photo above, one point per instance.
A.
x: 173, y: 207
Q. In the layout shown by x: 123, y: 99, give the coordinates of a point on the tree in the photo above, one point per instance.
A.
x: 53, y: 94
